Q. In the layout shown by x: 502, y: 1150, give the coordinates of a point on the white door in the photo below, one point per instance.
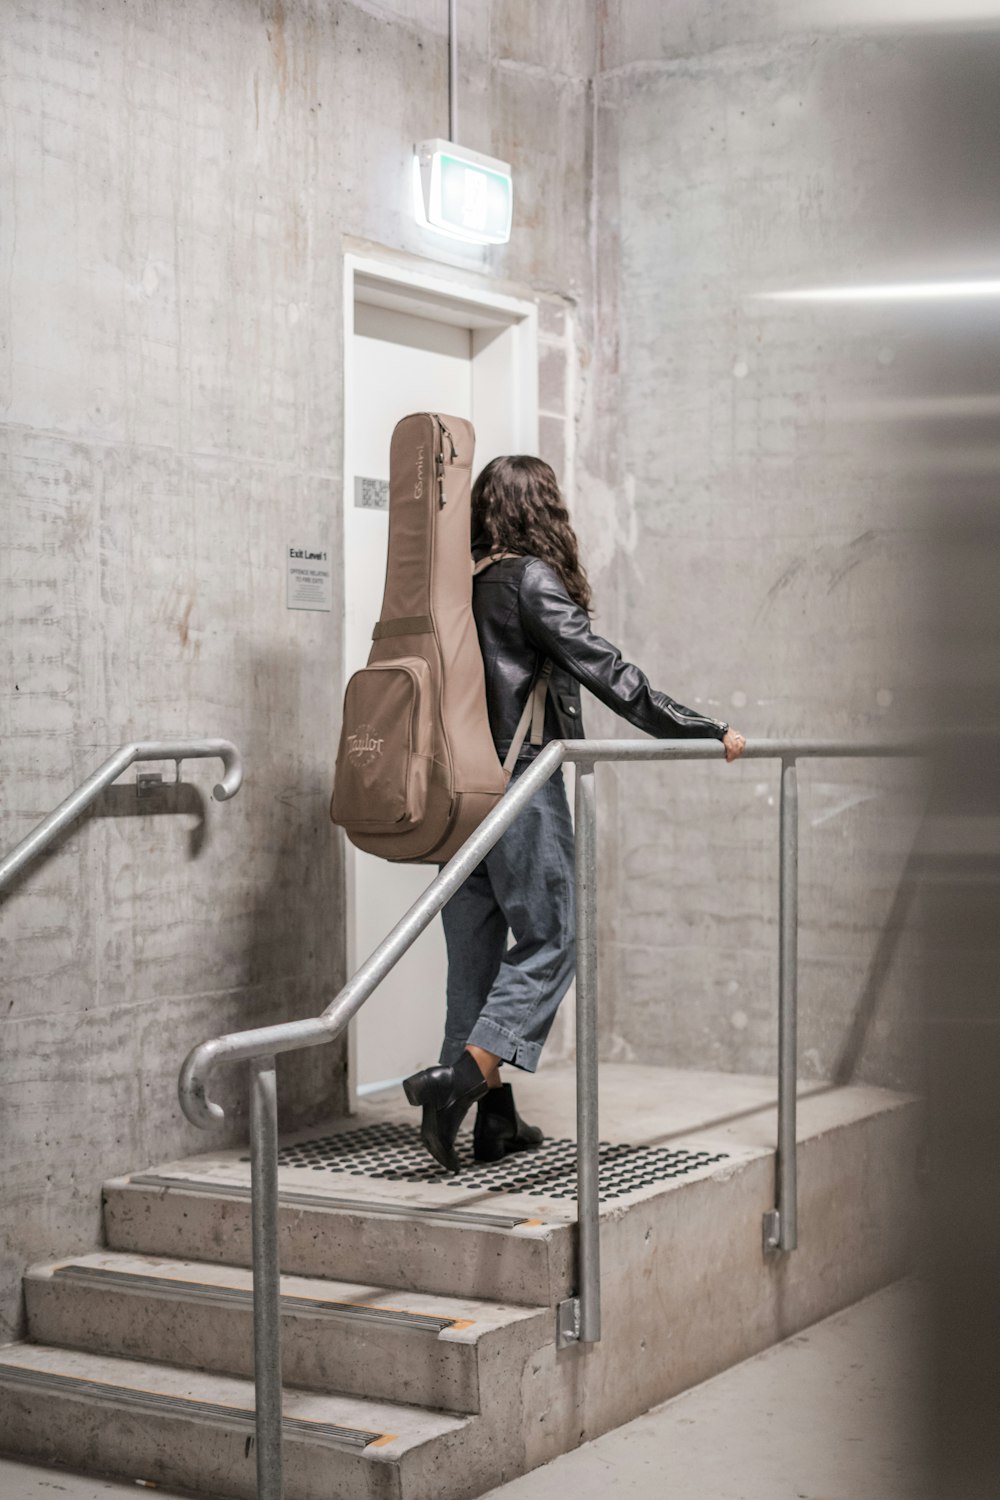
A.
x: 400, y: 361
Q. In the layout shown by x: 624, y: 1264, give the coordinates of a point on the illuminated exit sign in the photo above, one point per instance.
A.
x: 462, y: 193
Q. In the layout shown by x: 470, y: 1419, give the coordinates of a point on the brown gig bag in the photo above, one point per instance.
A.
x: 417, y: 770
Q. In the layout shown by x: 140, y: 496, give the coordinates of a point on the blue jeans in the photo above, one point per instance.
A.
x: 504, y: 999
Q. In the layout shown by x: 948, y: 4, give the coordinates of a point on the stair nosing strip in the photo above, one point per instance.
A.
x: 353, y: 1205
x: 207, y: 1291
x: 330, y: 1433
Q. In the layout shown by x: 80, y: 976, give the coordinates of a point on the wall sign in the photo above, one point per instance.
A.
x: 371, y: 494
x: 463, y: 193
x: 310, y: 579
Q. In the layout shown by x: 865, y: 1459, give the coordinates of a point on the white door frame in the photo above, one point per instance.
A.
x: 503, y: 327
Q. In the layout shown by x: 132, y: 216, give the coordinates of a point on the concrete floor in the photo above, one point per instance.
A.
x: 828, y: 1415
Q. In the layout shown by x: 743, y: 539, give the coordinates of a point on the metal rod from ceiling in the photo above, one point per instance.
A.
x: 453, y: 71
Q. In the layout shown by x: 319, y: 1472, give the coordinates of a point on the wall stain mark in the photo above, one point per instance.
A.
x: 276, y: 37
x: 786, y: 577
x: 839, y: 574
x: 184, y: 624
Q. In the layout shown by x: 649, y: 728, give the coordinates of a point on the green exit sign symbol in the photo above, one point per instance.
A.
x: 463, y: 193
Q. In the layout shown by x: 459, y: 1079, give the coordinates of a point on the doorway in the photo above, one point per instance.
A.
x: 412, y: 342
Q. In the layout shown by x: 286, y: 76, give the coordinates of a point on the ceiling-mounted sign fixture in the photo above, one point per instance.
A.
x: 463, y: 193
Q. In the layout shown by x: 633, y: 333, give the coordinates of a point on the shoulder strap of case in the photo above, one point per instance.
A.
x: 532, y: 717
x: 489, y: 560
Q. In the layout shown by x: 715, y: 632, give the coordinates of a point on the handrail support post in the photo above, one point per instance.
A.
x: 781, y: 1226
x: 266, y: 1276
x: 587, y: 1146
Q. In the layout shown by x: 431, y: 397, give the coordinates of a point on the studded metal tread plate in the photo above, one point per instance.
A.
x: 207, y: 1291
x: 395, y: 1153
x: 184, y: 1406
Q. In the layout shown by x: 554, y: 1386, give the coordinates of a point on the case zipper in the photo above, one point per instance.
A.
x: 440, y: 457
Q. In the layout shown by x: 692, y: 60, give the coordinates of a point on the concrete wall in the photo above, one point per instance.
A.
x: 763, y: 564
x: 180, y: 182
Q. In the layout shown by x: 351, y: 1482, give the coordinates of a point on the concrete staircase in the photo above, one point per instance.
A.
x: 419, y: 1310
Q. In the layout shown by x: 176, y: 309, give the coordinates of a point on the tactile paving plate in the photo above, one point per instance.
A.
x: 395, y: 1153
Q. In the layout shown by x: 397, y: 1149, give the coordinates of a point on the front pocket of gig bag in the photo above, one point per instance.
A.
x: 384, y: 759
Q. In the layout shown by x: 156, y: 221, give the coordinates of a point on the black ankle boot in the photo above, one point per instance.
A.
x: 447, y: 1094
x: 499, y: 1127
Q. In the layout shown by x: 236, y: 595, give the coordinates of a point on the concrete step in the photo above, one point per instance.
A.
x: 168, y: 1426
x: 462, y: 1251
x: 687, y: 1174
x: 363, y: 1202
x: 421, y: 1350
x: 688, y: 1289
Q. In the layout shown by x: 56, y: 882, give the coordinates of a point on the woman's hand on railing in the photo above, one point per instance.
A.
x: 734, y: 744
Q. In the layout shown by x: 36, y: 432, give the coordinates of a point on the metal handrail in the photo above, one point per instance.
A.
x: 579, y: 1318
x: 77, y: 802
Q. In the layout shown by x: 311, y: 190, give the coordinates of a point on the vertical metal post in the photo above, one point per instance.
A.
x: 587, y: 1189
x: 788, y: 940
x: 266, y: 1284
x: 453, y: 71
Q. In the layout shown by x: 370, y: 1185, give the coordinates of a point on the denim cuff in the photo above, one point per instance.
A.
x: 504, y: 1044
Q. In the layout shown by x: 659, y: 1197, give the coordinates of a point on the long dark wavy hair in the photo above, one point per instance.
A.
x: 517, y: 507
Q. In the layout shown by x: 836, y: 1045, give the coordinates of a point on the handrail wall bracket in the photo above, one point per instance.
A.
x: 140, y: 750
x: 568, y: 1322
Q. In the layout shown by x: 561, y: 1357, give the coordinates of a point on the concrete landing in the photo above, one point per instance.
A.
x: 653, y: 1105
x: 735, y: 1114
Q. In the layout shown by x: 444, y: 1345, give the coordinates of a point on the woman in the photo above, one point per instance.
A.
x: 531, y: 606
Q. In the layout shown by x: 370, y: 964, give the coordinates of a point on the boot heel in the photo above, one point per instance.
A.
x: 413, y: 1090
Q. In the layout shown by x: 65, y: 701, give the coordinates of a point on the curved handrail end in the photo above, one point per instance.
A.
x: 232, y: 778
x: 192, y: 1087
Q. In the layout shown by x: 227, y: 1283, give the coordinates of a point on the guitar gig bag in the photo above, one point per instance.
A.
x: 416, y: 769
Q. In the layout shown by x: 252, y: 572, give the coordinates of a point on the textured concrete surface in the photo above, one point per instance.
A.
x: 190, y: 1209
x: 833, y: 1413
x: 150, y: 1307
x: 344, y: 1229
x: 764, y: 557
x: 188, y: 1450
x: 181, y: 182
x: 687, y: 1288
x: 830, y: 1413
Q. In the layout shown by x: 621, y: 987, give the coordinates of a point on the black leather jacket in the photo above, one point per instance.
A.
x: 525, y: 617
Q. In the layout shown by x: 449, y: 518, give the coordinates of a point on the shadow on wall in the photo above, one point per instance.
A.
x: 275, y: 951
x: 165, y: 800
x: 123, y: 801
x: 294, y: 956
x: 895, y: 931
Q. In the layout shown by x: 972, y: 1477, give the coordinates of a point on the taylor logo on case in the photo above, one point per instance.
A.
x: 364, y: 745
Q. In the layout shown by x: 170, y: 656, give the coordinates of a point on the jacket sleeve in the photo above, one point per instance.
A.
x: 560, y: 629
